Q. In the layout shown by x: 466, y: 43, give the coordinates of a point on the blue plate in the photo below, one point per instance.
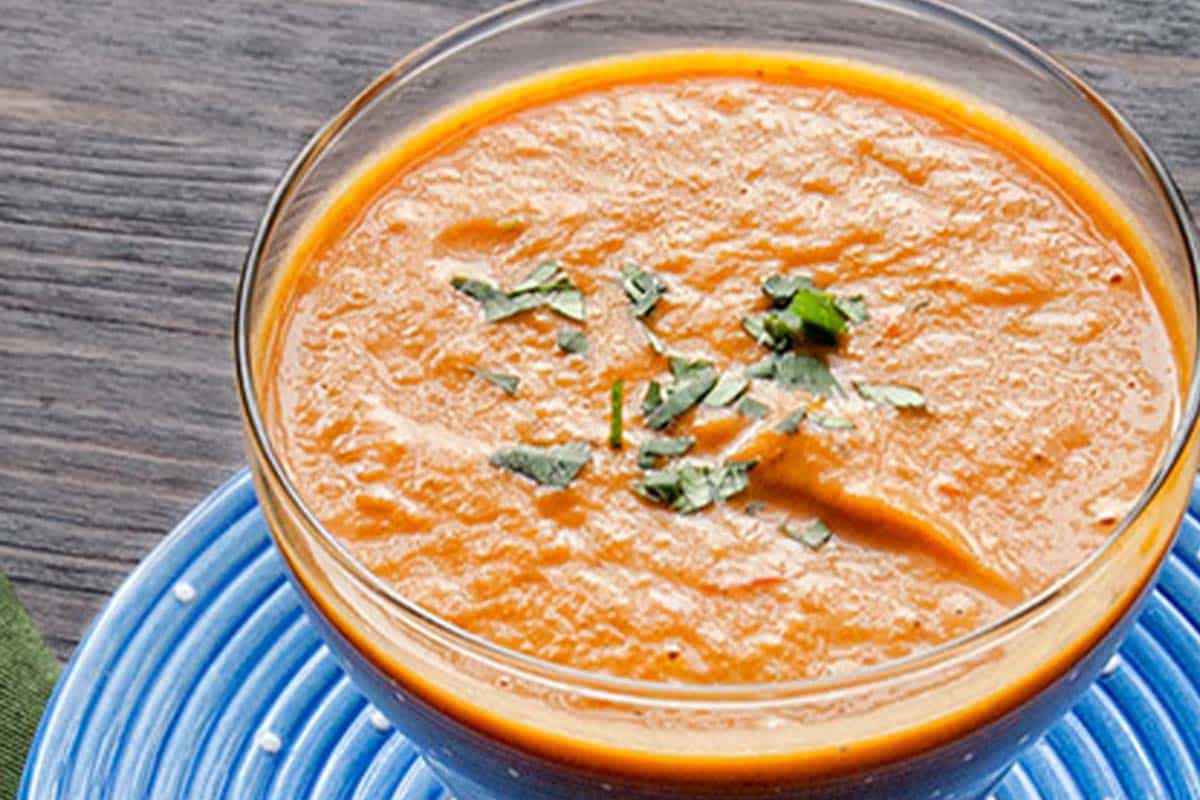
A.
x: 203, y: 679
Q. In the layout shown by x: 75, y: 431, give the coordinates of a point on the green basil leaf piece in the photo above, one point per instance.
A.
x: 894, y: 395
x: 554, y: 466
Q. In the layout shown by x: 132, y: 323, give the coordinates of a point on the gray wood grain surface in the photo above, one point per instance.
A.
x: 139, y: 142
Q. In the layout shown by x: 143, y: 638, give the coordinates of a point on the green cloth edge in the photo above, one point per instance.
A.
x: 28, y: 672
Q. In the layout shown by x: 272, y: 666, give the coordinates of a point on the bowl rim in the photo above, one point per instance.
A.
x: 519, y: 12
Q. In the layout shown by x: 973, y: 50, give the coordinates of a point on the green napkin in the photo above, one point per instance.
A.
x: 27, y: 674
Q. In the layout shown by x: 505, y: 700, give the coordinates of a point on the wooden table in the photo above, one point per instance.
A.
x: 139, y: 142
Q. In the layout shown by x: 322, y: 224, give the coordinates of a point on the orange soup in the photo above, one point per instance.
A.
x: 720, y: 368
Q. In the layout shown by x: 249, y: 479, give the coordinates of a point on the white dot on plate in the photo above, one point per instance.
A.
x: 1024, y: 740
x: 269, y: 742
x: 968, y: 757
x: 513, y: 773
x: 378, y: 721
x: 1112, y: 666
x: 606, y: 787
x: 184, y: 592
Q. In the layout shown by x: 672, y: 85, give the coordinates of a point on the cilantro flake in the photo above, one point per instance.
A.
x: 763, y: 368
x: 572, y: 341
x: 554, y: 466
x: 782, y: 288
x: 692, y: 381
x: 852, y: 308
x: 654, y: 449
x: 749, y: 407
x: 568, y: 302
x: 655, y: 341
x: 507, y: 383
x: 802, y: 371
x: 766, y: 329
x: 688, y: 488
x: 830, y: 422
x: 643, y: 288
x: 496, y: 304
x: 547, y: 285
x: 791, y: 423
x: 729, y: 388
x: 896, y: 396
x: 546, y: 277
x: 814, y: 534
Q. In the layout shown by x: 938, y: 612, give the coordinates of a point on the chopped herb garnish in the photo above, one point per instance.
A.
x: 822, y: 320
x: 763, y: 368
x: 784, y: 329
x: 496, y: 304
x: 642, y: 287
x: 796, y: 371
x: 553, y: 466
x: 652, y: 398
x: 782, y: 288
x: 754, y: 325
x: 693, y: 380
x: 890, y: 394
x: 732, y: 479
x: 547, y: 285
x: 508, y: 383
x: 477, y: 290
x: 815, y: 534
x: 568, y: 302
x: 688, y: 488
x: 802, y: 371
x: 616, y: 397
x: 791, y: 423
x: 802, y: 312
x: 682, y: 367
x: 755, y: 508
x: 654, y: 449
x: 572, y: 341
x: 830, y: 422
x: 656, y: 343
x: 852, y: 308
x: 749, y: 407
x: 766, y: 330
x: 696, y: 489
x: 729, y: 388
x: 665, y: 486
x: 546, y: 277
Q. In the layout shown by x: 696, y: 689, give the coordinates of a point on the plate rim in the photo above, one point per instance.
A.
x: 71, y: 678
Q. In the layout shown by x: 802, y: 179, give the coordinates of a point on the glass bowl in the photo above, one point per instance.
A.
x: 494, y: 723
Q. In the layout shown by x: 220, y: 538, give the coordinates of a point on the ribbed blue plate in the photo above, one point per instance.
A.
x: 203, y: 679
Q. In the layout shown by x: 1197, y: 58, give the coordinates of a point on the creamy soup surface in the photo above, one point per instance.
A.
x: 958, y: 384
